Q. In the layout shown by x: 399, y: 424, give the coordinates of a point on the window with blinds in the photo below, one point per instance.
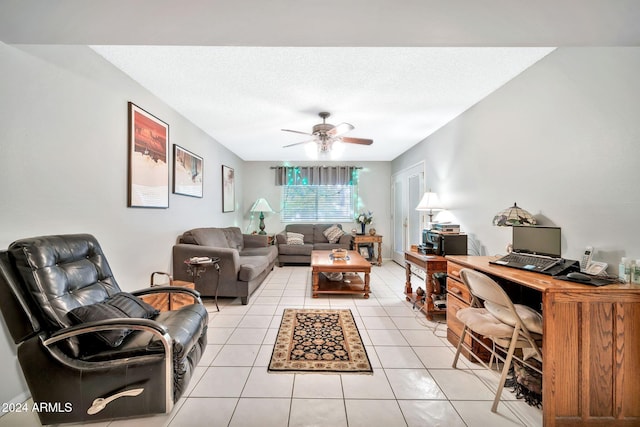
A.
x: 318, y: 203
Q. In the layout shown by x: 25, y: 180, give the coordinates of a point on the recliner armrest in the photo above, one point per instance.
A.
x: 169, y: 289
x: 109, y: 324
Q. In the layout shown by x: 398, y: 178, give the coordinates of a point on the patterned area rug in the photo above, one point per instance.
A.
x: 319, y: 340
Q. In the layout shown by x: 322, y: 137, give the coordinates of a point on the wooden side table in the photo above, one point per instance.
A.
x: 429, y: 264
x: 360, y: 239
x: 166, y: 301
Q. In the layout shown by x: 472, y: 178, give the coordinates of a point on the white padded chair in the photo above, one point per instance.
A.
x: 494, y: 316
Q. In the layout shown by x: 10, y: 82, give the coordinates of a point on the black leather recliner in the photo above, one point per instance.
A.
x: 88, y: 350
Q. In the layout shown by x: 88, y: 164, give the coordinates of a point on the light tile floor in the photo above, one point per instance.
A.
x: 413, y: 383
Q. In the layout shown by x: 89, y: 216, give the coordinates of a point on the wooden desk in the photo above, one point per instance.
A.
x: 591, y: 345
x: 360, y: 239
x: 429, y: 264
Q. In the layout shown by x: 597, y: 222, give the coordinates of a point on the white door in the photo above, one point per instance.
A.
x: 407, y: 189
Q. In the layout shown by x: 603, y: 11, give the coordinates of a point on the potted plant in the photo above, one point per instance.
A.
x: 363, y: 219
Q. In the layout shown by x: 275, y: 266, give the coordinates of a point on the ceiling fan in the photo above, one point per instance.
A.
x: 325, y: 134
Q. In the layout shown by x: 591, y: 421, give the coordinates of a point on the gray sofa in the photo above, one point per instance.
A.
x: 314, y: 239
x: 245, y: 260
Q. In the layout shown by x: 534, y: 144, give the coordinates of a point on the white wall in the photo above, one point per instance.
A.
x: 374, y: 195
x: 562, y: 140
x: 63, y: 168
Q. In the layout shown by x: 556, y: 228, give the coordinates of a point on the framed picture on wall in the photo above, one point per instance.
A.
x: 187, y: 172
x: 148, y: 172
x: 228, y: 189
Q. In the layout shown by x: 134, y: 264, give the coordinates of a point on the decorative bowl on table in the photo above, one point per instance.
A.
x: 339, y: 253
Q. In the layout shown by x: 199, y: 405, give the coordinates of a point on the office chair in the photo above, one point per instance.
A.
x: 508, y: 326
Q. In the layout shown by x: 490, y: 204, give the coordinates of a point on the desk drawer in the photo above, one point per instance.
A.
x: 453, y: 270
x: 459, y: 290
x: 453, y: 306
x: 454, y: 330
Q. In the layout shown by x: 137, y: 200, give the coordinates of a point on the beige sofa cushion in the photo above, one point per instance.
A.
x: 333, y: 233
x: 295, y: 239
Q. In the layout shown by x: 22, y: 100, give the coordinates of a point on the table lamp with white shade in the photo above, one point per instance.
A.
x: 430, y: 202
x: 261, y: 205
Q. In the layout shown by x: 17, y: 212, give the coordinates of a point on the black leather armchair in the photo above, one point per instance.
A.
x: 89, y: 351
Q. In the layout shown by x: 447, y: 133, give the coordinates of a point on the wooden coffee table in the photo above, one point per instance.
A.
x: 323, y: 262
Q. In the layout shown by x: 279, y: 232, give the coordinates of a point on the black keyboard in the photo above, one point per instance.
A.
x: 527, y: 260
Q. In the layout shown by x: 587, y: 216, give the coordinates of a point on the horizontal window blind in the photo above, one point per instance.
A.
x: 318, y: 203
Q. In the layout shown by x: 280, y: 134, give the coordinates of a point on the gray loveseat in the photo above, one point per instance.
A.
x: 314, y: 239
x: 245, y: 260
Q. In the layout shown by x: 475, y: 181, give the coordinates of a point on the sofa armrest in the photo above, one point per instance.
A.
x: 281, y: 238
x: 229, y: 258
x: 255, y: 240
x: 345, y: 239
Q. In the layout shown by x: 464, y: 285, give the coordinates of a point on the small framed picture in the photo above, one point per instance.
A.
x: 228, y: 189
x: 187, y: 172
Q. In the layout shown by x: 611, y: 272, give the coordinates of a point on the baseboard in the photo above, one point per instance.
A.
x: 22, y: 397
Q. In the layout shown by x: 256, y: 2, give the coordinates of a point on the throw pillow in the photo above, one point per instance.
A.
x: 132, y: 306
x: 295, y: 238
x: 333, y: 233
x: 117, y: 306
x: 97, y: 312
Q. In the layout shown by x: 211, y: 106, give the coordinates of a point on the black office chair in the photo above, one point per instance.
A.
x: 83, y: 344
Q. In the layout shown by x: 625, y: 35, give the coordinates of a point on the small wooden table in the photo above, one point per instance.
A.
x: 167, y: 301
x: 360, y: 239
x: 323, y: 262
x: 429, y: 264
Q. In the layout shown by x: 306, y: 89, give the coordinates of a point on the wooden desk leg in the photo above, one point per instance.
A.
x: 379, y: 253
x: 366, y: 286
x: 407, y: 284
x: 316, y: 284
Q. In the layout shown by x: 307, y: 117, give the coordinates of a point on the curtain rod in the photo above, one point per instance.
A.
x: 311, y: 166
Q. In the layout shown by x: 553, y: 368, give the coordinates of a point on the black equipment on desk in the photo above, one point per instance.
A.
x: 537, y: 249
x: 550, y: 267
x: 443, y: 243
x: 587, y: 279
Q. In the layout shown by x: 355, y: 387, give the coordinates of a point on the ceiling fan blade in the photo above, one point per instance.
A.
x: 340, y: 129
x: 361, y: 141
x: 299, y: 143
x: 296, y: 131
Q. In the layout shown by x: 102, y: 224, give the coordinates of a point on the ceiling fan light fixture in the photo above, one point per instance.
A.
x: 326, y: 134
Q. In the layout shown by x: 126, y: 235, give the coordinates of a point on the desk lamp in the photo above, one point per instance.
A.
x: 261, y: 205
x: 513, y: 215
x: 430, y: 202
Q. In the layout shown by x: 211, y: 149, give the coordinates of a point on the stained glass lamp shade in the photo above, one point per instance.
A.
x: 513, y: 215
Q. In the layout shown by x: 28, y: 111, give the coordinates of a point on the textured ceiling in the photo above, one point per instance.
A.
x: 395, y: 69
x: 244, y: 96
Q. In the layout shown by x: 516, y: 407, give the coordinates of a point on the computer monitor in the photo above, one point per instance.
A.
x: 537, y: 240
